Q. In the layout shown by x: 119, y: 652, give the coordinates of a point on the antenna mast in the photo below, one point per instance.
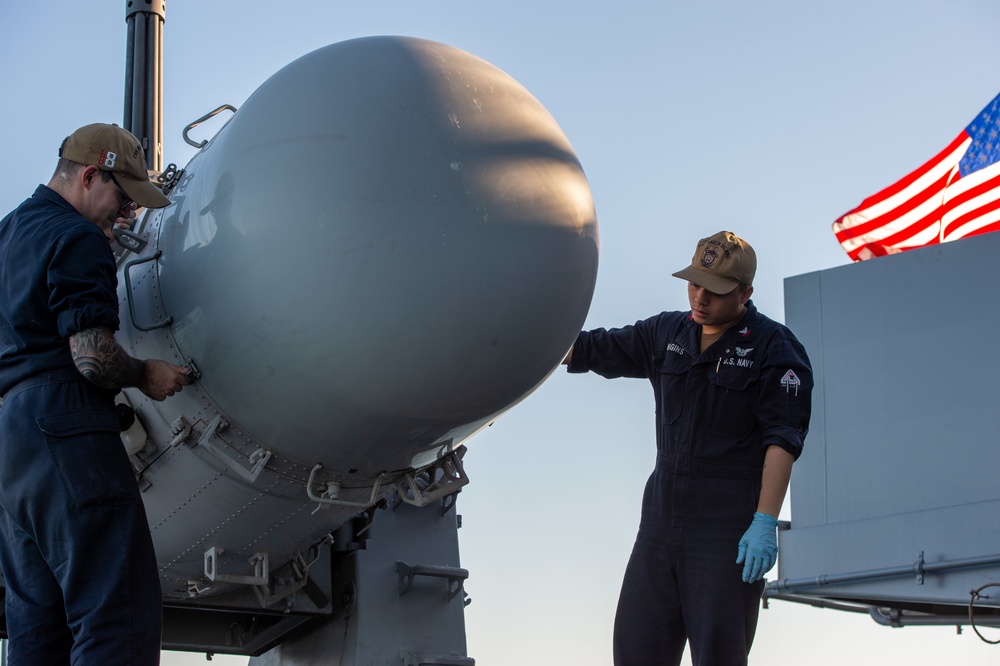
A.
x: 144, y: 77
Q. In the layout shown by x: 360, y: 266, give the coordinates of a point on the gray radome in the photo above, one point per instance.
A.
x: 388, y: 245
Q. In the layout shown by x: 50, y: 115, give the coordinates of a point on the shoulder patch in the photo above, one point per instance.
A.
x: 790, y: 379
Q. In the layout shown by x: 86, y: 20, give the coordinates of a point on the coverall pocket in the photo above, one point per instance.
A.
x: 87, y: 452
x: 733, y: 402
x: 672, y: 372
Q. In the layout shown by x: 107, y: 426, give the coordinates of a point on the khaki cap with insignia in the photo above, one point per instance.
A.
x: 721, y: 263
x: 116, y: 150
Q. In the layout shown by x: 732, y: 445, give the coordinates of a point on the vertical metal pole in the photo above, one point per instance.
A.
x: 143, y: 114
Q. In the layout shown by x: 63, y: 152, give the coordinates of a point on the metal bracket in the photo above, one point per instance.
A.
x: 196, y: 588
x: 448, y: 503
x: 293, y: 576
x: 454, y: 575
x: 169, y: 179
x: 258, y: 562
x: 144, y: 483
x: 258, y: 459
x: 414, y: 659
x: 180, y: 429
x: 331, y: 493
x: 129, y: 240
x: 444, y: 477
x: 284, y: 586
x: 918, y: 567
x: 193, y: 373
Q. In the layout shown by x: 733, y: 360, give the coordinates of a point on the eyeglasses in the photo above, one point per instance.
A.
x: 126, y: 200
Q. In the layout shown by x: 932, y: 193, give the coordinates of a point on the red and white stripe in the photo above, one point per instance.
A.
x: 972, y: 204
x: 909, y: 213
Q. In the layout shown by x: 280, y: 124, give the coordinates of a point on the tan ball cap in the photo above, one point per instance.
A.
x: 721, y: 263
x: 116, y: 150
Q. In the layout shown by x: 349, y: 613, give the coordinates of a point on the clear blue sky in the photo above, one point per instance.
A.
x: 769, y: 118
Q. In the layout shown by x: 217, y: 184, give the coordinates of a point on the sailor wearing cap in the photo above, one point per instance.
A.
x: 732, y: 393
x: 75, y: 549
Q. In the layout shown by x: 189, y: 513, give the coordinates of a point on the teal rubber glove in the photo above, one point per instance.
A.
x: 758, y: 547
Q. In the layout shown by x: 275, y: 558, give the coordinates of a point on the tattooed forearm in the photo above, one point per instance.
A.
x: 102, y: 360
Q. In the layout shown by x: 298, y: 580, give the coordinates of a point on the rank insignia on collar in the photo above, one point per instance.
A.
x: 744, y: 332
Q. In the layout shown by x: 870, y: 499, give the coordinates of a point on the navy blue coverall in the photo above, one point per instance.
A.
x: 75, y: 550
x: 717, y: 411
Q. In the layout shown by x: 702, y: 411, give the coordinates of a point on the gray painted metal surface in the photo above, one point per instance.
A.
x: 895, y: 501
x: 389, y: 245
x: 382, y: 618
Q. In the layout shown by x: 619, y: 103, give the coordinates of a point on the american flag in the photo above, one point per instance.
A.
x: 955, y: 194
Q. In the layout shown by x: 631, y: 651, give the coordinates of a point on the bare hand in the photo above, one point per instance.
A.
x: 126, y: 221
x: 162, y: 379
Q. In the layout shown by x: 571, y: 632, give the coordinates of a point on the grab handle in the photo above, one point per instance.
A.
x: 210, y: 114
x: 128, y: 294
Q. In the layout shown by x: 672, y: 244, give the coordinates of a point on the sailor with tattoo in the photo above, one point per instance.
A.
x: 75, y: 550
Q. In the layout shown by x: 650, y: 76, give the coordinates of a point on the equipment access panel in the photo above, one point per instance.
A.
x: 896, y: 499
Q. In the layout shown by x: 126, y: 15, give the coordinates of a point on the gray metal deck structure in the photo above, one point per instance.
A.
x: 895, y: 501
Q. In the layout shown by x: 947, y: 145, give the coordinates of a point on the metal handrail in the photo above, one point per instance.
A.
x: 128, y: 293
